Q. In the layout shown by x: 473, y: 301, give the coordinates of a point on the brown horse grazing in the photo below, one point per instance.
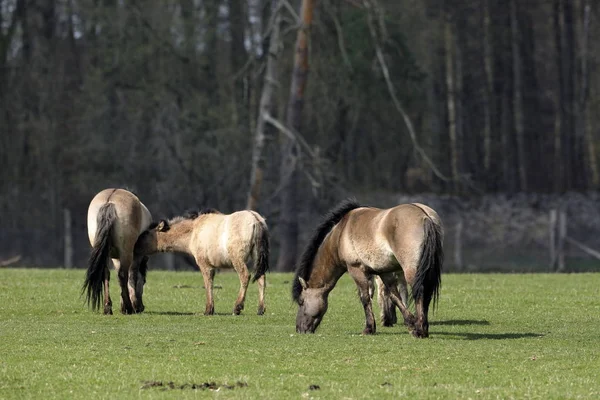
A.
x: 115, y: 219
x: 215, y: 240
x: 365, y: 241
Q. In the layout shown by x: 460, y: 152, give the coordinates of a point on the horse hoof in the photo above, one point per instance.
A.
x: 261, y: 311
x: 209, y: 312
x: 238, y: 309
x: 368, y: 331
x: 419, y: 334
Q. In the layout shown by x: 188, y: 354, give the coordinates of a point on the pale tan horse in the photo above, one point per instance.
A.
x: 115, y: 219
x: 365, y: 241
x: 215, y: 240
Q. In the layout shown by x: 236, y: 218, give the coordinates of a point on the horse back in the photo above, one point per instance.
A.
x: 132, y: 218
x: 383, y: 239
x: 223, y: 236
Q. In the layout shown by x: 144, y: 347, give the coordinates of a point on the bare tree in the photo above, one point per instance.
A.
x: 518, y: 95
x: 288, y: 224
x: 267, y: 105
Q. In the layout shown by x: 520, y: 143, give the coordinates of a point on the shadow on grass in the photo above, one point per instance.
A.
x: 489, y: 336
x: 187, y: 313
x: 168, y: 313
x: 460, y: 322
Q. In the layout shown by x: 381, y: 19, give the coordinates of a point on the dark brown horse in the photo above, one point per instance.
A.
x: 365, y: 241
x: 215, y: 241
x: 115, y: 219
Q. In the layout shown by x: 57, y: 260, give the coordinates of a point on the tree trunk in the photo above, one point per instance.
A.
x: 451, y: 100
x: 489, y: 87
x: 239, y: 56
x: 583, y: 120
x: 288, y: 223
x: 559, y: 165
x: 518, y: 95
x: 264, y: 132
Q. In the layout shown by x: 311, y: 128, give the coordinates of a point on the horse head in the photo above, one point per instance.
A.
x: 312, y: 305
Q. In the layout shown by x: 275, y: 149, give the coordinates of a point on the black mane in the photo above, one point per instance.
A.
x: 305, y: 266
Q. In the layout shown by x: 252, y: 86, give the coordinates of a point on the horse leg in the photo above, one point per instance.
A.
x: 122, y: 272
x: 107, y: 300
x: 403, y: 288
x: 391, y: 284
x: 362, y: 282
x: 261, y: 295
x: 244, y: 276
x: 422, y: 324
x: 132, y: 285
x: 208, y: 275
x: 386, y: 306
x: 142, y: 271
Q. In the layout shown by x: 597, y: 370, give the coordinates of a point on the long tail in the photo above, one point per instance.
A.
x: 428, y: 280
x: 98, y: 261
x: 261, y: 249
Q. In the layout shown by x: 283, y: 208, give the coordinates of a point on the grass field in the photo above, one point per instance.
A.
x: 492, y: 336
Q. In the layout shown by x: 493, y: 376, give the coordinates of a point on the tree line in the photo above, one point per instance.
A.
x: 289, y: 105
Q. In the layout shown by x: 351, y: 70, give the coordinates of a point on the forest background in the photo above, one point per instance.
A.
x: 486, y: 110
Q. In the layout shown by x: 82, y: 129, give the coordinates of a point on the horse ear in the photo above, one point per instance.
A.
x: 303, y: 283
x: 162, y: 226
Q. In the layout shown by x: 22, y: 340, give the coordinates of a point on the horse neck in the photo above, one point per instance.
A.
x: 327, y: 266
x: 177, y: 238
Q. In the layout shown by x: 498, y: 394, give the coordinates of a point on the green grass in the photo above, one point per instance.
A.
x: 492, y: 336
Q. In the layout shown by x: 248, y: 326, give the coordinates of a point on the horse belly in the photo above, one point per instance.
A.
x: 381, y: 262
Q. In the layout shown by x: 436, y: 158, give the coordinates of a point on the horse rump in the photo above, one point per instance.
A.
x: 261, y: 250
x: 98, y: 261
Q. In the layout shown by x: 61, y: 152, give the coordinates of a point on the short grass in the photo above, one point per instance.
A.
x: 492, y: 336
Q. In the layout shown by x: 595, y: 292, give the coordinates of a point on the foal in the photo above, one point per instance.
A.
x: 215, y: 240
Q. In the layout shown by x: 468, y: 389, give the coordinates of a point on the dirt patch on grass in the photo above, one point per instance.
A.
x: 195, y: 287
x: 193, y: 386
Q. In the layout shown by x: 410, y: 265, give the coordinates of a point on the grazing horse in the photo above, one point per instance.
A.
x: 363, y: 241
x: 215, y: 240
x: 115, y: 219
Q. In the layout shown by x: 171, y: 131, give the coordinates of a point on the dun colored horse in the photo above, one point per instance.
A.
x: 115, y: 219
x: 364, y: 241
x: 215, y: 240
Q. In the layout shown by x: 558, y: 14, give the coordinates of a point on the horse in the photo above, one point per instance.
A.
x: 216, y: 241
x: 405, y: 240
x: 115, y: 219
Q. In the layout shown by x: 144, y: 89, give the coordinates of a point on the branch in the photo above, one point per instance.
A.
x: 295, y: 136
x: 397, y: 104
x: 289, y: 7
x: 12, y: 260
x: 340, y: 37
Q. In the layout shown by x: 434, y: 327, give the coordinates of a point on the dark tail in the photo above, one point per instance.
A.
x: 429, y: 271
x: 261, y: 250
x: 98, y: 262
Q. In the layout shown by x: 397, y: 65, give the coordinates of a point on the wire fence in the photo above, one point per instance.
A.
x: 521, y: 233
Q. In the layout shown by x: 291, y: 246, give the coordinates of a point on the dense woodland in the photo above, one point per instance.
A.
x: 287, y: 105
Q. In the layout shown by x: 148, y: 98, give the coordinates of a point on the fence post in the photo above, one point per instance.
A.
x: 458, y: 260
x: 562, y: 233
x: 68, y: 240
x: 552, y: 238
